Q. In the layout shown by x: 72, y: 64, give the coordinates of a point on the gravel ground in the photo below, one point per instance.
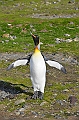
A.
x: 62, y: 58
x: 8, y: 90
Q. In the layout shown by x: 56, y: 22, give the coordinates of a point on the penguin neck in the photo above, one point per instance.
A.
x: 36, y: 49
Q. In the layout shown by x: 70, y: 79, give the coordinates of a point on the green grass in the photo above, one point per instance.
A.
x: 19, y: 15
x: 54, y: 29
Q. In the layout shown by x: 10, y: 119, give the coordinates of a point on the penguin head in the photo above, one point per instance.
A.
x: 36, y: 39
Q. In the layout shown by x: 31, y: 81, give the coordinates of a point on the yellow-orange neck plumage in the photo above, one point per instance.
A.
x: 36, y: 51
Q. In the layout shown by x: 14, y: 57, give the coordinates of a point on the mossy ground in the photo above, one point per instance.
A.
x: 16, y: 13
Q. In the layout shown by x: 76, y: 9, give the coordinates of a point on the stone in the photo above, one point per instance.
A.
x: 72, y: 99
x: 69, y: 40
x: 12, y: 37
x: 19, y: 101
x: 65, y: 90
x: 67, y: 35
x: 2, y: 41
x: 17, y: 113
x: 5, y: 35
x: 6, y: 41
x: 43, y: 103
x: 76, y: 39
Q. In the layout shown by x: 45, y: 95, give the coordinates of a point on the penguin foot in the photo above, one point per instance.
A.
x: 40, y: 95
x: 35, y: 95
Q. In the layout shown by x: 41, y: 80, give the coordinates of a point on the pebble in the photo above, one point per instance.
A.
x: 9, y: 24
x: 67, y: 35
x: 43, y: 103
x: 76, y: 39
x: 2, y: 41
x: 17, y: 113
x: 59, y: 40
x: 9, y: 36
x: 14, y: 43
x: 12, y: 37
x: 65, y: 90
x: 19, y: 101
x: 7, y: 41
x: 72, y: 99
x: 3, y: 94
x: 69, y: 40
x: 54, y: 2
x: 5, y: 35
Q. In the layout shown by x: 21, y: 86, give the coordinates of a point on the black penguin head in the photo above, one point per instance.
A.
x: 36, y: 39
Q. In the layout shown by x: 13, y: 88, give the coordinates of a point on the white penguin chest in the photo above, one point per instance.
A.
x: 37, y: 66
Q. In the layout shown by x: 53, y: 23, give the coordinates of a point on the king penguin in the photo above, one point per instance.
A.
x: 37, y: 63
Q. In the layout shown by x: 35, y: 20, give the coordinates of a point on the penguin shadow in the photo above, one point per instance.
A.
x: 9, y: 90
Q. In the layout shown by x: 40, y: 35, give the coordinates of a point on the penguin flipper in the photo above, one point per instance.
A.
x: 56, y: 65
x: 18, y: 63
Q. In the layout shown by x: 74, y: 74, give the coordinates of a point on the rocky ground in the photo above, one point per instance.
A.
x: 53, y: 109
x: 8, y: 91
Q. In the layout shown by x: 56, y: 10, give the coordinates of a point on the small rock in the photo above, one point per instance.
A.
x: 55, y: 94
x: 31, y: 26
x: 5, y: 35
x: 76, y: 8
x: 54, y: 2
x: 11, y: 96
x: 17, y: 113
x: 77, y: 113
x: 72, y: 100
x: 14, y: 43
x: 19, y: 101
x: 34, y: 113
x: 7, y: 41
x: 12, y: 37
x: 65, y: 90
x: 43, y: 103
x: 21, y: 109
x: 9, y: 24
x: 44, y: 30
x: 76, y: 39
x: 24, y: 30
x: 73, y: 60
x: 2, y: 41
x: 71, y: 23
x: 69, y: 40
x: 58, y: 40
x: 35, y: 9
x: 48, y: 3
x: 60, y: 102
x: 4, y: 94
x: 67, y: 35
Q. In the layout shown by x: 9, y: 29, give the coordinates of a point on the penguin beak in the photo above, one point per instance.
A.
x: 33, y: 35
